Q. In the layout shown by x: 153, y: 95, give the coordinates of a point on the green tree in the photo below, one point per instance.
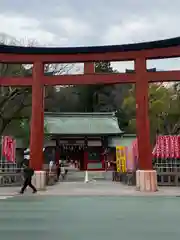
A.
x: 160, y: 108
x: 172, y: 117
x: 95, y: 97
x: 25, y: 131
x: 103, y: 67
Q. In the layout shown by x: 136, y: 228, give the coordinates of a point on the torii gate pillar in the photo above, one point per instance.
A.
x: 37, y: 126
x: 146, y: 177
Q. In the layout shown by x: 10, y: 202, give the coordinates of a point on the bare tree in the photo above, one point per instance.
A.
x: 15, y: 102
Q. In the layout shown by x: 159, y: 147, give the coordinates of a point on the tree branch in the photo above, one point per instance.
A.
x: 6, y: 121
x: 16, y: 92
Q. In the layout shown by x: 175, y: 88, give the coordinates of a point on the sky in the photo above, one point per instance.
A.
x: 96, y: 22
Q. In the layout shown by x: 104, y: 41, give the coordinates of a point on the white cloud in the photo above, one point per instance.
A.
x: 164, y: 64
x: 138, y: 29
x: 73, y: 27
x: 24, y: 29
x: 129, y: 31
x: 74, y: 23
x: 123, y: 66
x: 71, y: 23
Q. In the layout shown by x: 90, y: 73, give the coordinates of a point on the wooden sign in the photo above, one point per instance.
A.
x: 118, y: 158
x: 121, y: 158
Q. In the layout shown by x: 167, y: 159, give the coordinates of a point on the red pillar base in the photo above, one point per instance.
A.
x: 39, y: 180
x: 146, y: 180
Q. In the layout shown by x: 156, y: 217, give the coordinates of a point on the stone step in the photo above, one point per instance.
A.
x: 92, y: 175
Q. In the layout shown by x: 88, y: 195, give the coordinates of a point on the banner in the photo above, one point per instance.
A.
x: 118, y: 159
x: 8, y: 149
x: 121, y: 158
x: 130, y: 161
x: 167, y: 147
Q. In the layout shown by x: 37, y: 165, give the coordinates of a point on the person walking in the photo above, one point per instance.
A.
x: 58, y: 169
x: 28, y: 174
x: 114, y: 173
x: 63, y: 171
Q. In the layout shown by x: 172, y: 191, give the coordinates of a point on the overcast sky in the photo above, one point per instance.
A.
x: 94, y: 22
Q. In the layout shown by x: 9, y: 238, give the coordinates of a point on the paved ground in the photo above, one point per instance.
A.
x: 86, y: 218
x: 97, y: 210
x: 99, y: 188
x: 105, y: 188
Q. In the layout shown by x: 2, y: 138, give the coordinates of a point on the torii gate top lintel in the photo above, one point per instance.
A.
x: 151, y: 50
x: 167, y: 48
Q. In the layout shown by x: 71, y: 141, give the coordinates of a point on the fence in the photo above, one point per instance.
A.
x: 11, y: 175
x: 11, y: 179
x: 168, y: 171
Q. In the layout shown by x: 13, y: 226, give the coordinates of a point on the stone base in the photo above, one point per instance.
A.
x: 146, y: 180
x: 86, y: 177
x: 39, y: 180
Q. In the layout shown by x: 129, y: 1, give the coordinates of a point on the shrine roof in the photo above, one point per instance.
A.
x: 82, y: 124
x: 91, y: 49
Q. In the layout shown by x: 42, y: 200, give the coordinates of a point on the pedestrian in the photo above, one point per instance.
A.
x: 28, y: 173
x: 114, y: 168
x: 58, y: 169
x: 63, y: 173
x: 51, y: 164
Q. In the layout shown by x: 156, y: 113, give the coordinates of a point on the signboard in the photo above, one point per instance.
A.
x: 121, y: 158
x: 8, y: 149
x: 118, y: 158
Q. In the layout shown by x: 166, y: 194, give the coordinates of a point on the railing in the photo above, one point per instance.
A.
x: 168, y: 172
x: 15, y: 177
x: 10, y: 174
x: 10, y: 178
x: 128, y: 178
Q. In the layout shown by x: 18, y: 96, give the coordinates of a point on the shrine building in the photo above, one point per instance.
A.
x: 83, y: 137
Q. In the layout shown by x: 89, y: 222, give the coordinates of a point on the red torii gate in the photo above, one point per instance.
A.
x: 139, y: 53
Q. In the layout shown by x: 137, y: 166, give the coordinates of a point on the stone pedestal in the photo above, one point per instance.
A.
x: 39, y: 180
x: 146, y: 180
x: 86, y: 177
